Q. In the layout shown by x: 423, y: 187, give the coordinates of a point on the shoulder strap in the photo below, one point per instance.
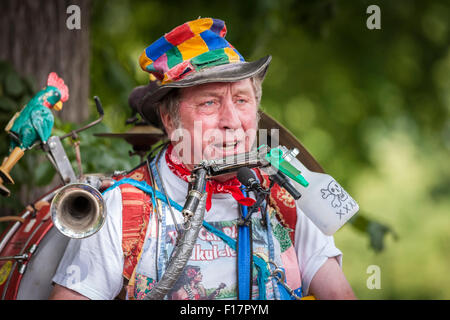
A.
x: 282, y: 202
x: 136, y: 210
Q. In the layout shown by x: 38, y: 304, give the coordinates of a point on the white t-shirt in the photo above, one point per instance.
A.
x: 93, y: 266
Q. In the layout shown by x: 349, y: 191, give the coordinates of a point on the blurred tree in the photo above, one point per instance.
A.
x: 36, y: 39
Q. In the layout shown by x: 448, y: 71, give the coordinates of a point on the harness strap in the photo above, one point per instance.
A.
x: 142, y: 185
x: 260, y: 264
x: 244, y: 255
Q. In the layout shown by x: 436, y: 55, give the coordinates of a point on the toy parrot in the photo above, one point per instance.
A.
x: 32, y: 124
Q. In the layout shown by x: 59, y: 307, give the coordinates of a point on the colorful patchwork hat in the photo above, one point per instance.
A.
x: 191, y: 54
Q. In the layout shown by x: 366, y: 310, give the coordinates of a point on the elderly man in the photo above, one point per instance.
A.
x: 206, y: 98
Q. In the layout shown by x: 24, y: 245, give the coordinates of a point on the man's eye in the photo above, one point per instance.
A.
x: 208, y: 103
x: 241, y: 101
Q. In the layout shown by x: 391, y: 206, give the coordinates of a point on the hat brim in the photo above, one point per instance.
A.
x: 144, y: 98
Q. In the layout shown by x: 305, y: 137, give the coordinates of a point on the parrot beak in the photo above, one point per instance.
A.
x: 58, y: 106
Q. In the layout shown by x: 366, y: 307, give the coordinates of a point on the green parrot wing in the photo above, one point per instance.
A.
x: 42, y: 120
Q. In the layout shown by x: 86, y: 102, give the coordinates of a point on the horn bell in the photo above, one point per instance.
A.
x: 78, y: 210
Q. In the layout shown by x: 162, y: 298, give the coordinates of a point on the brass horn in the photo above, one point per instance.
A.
x: 78, y: 210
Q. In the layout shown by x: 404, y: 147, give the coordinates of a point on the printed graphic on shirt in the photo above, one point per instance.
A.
x: 211, y: 271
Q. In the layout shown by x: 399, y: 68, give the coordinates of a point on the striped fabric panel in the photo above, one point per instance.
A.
x: 136, y: 210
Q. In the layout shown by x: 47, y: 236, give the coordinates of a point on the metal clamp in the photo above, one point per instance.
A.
x: 21, y: 258
x: 280, y: 276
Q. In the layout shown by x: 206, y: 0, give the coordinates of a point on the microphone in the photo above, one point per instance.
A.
x: 247, y: 178
x: 197, y: 188
x: 280, y: 179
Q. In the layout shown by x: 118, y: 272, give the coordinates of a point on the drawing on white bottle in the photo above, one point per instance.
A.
x: 348, y: 208
x: 336, y: 192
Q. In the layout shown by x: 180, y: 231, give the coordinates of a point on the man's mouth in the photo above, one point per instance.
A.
x: 227, y: 146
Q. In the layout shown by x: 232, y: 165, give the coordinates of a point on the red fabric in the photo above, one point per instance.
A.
x: 282, y: 202
x: 179, y: 35
x: 136, y: 210
x: 230, y: 186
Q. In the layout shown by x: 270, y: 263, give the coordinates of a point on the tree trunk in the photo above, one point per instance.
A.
x: 36, y: 40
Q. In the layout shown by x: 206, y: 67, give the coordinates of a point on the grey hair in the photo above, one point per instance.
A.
x: 170, y: 104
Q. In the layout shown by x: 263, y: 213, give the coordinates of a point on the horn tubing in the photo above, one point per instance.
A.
x: 180, y: 256
x: 78, y: 210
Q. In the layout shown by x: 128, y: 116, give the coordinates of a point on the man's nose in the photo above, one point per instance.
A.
x: 229, y: 115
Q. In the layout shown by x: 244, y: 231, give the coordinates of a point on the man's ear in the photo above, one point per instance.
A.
x: 167, y: 122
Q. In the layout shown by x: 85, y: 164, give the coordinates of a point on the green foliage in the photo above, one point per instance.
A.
x: 14, y: 94
x: 98, y: 155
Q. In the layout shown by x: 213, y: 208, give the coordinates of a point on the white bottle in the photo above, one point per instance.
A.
x: 323, y: 201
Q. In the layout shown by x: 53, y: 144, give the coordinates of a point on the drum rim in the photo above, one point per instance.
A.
x: 43, y: 222
x: 45, y: 225
x: 6, y: 237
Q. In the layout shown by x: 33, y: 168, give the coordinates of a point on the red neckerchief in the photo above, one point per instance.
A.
x: 230, y: 186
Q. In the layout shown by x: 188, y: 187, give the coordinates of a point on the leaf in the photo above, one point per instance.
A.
x: 359, y: 222
x: 377, y: 233
x: 14, y: 87
x: 375, y: 230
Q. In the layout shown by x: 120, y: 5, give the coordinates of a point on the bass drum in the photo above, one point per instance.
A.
x: 30, y: 251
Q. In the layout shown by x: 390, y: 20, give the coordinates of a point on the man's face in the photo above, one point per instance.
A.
x: 215, y: 120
